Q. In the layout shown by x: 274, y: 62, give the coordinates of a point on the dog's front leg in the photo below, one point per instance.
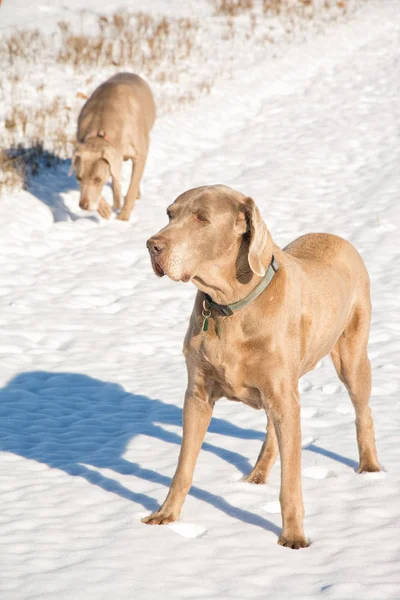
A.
x: 104, y: 209
x: 197, y: 412
x: 116, y: 189
x: 283, y: 408
x: 133, y: 190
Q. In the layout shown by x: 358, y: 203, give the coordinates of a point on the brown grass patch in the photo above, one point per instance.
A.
x: 154, y: 46
x: 302, y: 8
x: 18, y: 163
x: 139, y: 41
x: 169, y: 51
x: 232, y: 8
x: 12, y: 174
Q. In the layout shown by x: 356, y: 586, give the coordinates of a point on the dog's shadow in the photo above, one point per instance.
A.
x: 51, y: 184
x: 80, y: 424
x: 48, y: 179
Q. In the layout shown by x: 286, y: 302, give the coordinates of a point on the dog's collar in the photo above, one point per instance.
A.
x: 101, y: 134
x: 227, y: 310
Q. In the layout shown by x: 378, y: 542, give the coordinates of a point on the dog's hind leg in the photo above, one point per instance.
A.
x: 352, y: 365
x: 266, y: 458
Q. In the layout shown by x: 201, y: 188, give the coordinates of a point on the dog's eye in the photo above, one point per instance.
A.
x: 201, y: 218
x: 169, y: 215
x: 78, y: 178
x: 97, y: 180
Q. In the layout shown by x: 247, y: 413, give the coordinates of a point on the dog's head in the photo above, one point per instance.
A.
x: 208, y: 227
x: 94, y: 161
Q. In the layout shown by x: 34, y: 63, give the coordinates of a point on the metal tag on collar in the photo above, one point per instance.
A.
x: 206, y: 313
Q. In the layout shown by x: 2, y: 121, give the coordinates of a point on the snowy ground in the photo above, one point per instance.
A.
x: 91, y: 371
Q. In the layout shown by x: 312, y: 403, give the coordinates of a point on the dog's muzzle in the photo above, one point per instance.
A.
x: 156, y: 247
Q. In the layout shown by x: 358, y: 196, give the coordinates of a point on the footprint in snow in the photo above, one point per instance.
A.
x: 308, y: 441
x: 345, y: 408
x: 308, y: 412
x: 272, y: 508
x: 187, y: 530
x: 331, y: 388
x: 318, y: 473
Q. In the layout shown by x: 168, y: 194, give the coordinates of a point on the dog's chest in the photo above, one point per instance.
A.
x: 220, y: 357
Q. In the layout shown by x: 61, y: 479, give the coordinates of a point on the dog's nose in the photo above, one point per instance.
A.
x: 156, y: 245
x: 84, y: 204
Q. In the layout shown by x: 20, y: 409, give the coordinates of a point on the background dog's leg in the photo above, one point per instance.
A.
x: 116, y: 188
x: 285, y: 412
x: 352, y: 364
x: 197, y: 414
x: 266, y: 458
x: 133, y: 191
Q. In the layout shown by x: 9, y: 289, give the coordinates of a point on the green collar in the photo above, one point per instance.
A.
x: 227, y: 310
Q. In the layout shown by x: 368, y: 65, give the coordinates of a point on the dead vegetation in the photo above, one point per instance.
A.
x: 12, y: 173
x: 157, y: 47
x: 306, y: 9
x: 170, y: 52
x: 140, y: 40
x: 18, y: 163
x: 27, y: 45
x: 286, y: 8
x: 33, y: 139
x: 232, y: 8
x: 32, y: 136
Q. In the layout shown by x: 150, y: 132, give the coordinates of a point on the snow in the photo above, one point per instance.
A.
x: 91, y: 371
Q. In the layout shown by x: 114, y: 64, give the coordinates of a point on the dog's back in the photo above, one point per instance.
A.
x: 317, y: 251
x: 119, y: 105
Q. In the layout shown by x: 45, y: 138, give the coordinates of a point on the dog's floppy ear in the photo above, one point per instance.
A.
x: 73, y: 159
x: 258, y: 237
x: 110, y: 155
x: 79, y: 151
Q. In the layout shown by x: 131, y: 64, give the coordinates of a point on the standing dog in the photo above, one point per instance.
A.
x: 263, y: 317
x: 114, y: 125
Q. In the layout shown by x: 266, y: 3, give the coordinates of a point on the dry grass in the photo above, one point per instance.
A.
x: 139, y: 41
x: 232, y: 8
x: 285, y: 8
x: 19, y: 163
x: 50, y: 122
x: 303, y: 8
x: 26, y: 45
x: 33, y: 139
x: 257, y: 16
x: 12, y: 173
x: 154, y: 46
x: 170, y: 52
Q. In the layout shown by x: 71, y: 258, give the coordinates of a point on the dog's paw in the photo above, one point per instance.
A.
x: 124, y: 215
x: 256, y: 477
x: 293, y: 541
x: 161, y: 517
x: 104, y: 209
x: 369, y: 467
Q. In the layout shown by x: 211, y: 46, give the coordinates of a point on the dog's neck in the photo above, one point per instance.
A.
x: 227, y: 283
x: 94, y: 144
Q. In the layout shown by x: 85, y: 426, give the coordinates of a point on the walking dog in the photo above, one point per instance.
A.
x: 113, y: 126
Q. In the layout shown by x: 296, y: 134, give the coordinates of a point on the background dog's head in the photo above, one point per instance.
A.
x: 94, y: 162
